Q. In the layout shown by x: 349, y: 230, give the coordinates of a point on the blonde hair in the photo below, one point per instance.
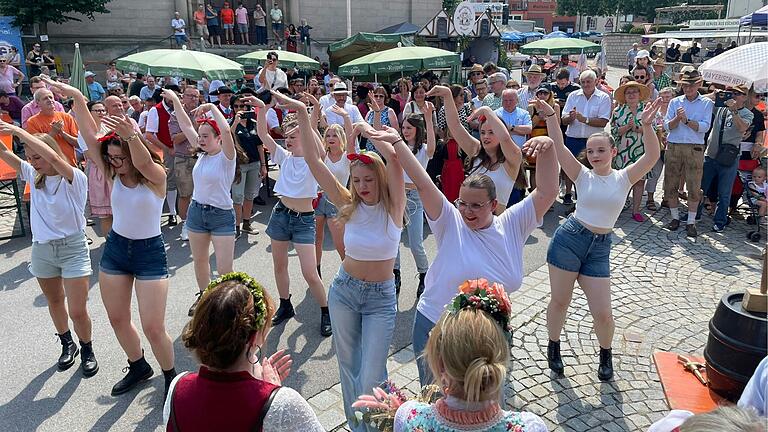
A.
x: 725, y: 418
x: 379, y: 169
x: 470, y: 348
x: 40, y: 178
x: 339, y: 133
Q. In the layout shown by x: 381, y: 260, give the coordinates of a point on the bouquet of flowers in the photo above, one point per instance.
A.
x: 379, y: 409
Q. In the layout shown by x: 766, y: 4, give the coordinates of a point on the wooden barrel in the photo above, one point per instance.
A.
x: 736, y: 344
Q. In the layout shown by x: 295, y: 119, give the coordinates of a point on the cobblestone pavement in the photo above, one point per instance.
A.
x: 665, y: 290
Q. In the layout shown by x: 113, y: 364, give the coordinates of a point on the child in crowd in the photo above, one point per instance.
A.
x: 758, y: 190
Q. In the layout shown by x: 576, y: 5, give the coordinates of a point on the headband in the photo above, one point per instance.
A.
x: 211, y: 123
x: 364, y: 158
x: 110, y: 136
x: 257, y: 292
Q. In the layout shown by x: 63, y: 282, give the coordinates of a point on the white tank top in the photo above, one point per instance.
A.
x: 212, y: 177
x: 135, y: 211
x: 501, y: 179
x: 371, y: 234
x: 339, y: 169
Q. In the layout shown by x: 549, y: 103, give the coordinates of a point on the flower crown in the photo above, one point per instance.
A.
x: 257, y: 292
x: 478, y: 294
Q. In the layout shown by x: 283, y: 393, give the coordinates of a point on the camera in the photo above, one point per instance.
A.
x: 721, y: 97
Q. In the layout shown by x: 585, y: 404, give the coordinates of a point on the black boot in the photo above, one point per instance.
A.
x: 396, y: 272
x: 420, y: 289
x: 88, y: 363
x: 68, y: 351
x: 138, y: 371
x: 325, y: 322
x: 169, y: 376
x: 284, y: 312
x: 191, y: 311
x: 553, y: 357
x: 605, y: 370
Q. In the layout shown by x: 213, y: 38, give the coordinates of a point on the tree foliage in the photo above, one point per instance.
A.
x: 54, y: 11
x: 645, y: 8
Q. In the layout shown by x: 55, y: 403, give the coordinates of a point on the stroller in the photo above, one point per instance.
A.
x: 740, y: 189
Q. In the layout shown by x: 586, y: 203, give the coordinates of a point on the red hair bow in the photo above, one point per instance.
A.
x: 210, y: 123
x: 109, y: 136
x: 365, y: 159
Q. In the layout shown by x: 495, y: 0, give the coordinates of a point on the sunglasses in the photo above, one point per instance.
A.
x: 475, y: 73
x: 378, y: 96
x: 639, y: 76
x: 238, y: 106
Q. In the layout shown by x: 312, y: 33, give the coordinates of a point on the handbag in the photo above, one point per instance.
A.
x: 727, y: 154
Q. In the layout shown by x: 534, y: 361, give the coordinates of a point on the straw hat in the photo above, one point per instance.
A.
x: 691, y: 76
x: 534, y: 69
x: 618, y: 94
x: 741, y: 88
x: 340, y: 88
x: 476, y: 68
x: 659, y: 62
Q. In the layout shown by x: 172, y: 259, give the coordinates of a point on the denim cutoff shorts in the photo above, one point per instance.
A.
x: 67, y: 258
x: 326, y: 208
x: 288, y: 225
x: 143, y: 259
x: 576, y: 249
x: 207, y: 219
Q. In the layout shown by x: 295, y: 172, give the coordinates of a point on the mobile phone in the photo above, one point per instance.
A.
x: 248, y: 115
x: 265, y: 96
x: 721, y: 97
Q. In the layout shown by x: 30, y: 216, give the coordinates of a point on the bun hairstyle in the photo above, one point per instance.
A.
x: 232, y: 309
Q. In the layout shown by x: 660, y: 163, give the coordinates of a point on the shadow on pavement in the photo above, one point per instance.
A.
x: 27, y: 413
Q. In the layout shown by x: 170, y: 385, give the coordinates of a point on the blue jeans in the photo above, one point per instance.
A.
x: 363, y: 319
x: 725, y: 176
x: 415, y: 229
x: 421, y: 328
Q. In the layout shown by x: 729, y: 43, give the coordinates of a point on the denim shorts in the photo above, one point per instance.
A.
x: 143, y: 259
x: 242, y: 28
x: 326, y: 208
x: 207, y: 219
x: 67, y: 258
x: 288, y: 225
x: 576, y: 249
x: 575, y: 145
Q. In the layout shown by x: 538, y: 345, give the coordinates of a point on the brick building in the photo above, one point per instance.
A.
x: 543, y: 12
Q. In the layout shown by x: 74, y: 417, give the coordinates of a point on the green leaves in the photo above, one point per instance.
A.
x: 55, y: 11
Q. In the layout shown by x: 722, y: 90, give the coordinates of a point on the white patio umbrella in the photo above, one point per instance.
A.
x: 747, y: 64
x: 670, y: 41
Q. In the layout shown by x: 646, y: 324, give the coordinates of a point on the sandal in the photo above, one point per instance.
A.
x: 651, y: 205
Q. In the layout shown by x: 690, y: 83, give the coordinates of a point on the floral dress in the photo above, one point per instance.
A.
x: 454, y: 415
x: 630, y: 144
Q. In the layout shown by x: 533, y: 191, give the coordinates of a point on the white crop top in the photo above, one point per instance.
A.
x: 371, y: 234
x: 212, y: 177
x: 135, y: 211
x: 501, y: 179
x: 421, y: 156
x: 601, y: 198
x: 339, y: 169
x: 295, y: 179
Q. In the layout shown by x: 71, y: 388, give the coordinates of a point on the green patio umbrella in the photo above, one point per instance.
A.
x: 77, y: 80
x: 400, y: 59
x: 286, y: 59
x: 560, y: 46
x: 181, y: 63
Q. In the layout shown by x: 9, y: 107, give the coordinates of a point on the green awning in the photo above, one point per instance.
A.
x: 356, y: 46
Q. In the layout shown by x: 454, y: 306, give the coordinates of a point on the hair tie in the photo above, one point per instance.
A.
x: 210, y: 123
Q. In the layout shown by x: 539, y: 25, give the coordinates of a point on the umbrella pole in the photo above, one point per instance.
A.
x: 376, y: 77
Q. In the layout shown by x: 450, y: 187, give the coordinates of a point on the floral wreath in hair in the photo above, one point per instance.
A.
x: 257, y: 292
x: 492, y: 299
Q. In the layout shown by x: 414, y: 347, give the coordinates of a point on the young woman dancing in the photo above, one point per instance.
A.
x: 293, y: 218
x: 362, y: 296
x: 494, y: 154
x: 211, y: 215
x: 60, y: 258
x: 418, y: 133
x: 134, y: 254
x: 580, y: 248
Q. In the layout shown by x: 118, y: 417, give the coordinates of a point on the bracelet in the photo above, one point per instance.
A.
x: 550, y: 115
x: 135, y: 135
x: 393, y: 144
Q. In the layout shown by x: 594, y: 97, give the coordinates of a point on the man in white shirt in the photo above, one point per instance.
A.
x: 277, y: 22
x: 340, y: 95
x: 534, y: 77
x: 327, y: 100
x: 271, y: 76
x: 179, y: 29
x: 586, y: 112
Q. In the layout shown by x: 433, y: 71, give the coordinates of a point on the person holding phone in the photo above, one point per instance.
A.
x: 253, y: 171
x: 271, y: 77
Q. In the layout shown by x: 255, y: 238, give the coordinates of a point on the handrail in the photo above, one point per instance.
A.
x: 138, y: 47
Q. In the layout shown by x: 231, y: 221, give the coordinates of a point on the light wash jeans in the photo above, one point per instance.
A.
x: 363, y: 319
x: 415, y: 229
x: 421, y: 328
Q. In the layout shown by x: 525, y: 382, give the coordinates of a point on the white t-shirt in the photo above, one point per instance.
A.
x: 57, y: 210
x: 601, y: 198
x: 423, y: 159
x: 339, y: 169
x: 295, y: 179
x: 327, y: 101
x: 494, y: 253
x: 333, y: 118
x: 178, y: 26
x: 143, y: 119
x: 272, y: 120
x: 275, y: 79
x: 597, y: 106
x: 153, y: 119
x: 213, y: 177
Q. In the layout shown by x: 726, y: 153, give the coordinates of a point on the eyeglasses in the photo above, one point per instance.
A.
x: 475, y: 73
x: 378, y: 96
x: 116, y: 160
x: 238, y: 106
x: 463, y: 205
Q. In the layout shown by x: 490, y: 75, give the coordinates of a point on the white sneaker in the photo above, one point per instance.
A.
x: 184, y: 232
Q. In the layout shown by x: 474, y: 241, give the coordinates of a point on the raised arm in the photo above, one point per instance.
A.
x: 467, y: 142
x: 349, y: 129
x: 651, y: 148
x: 547, y: 170
x: 62, y: 166
x: 139, y: 148
x: 568, y: 161
x: 227, y: 142
x: 185, y: 123
x: 512, y: 154
x: 429, y: 111
x: 261, y: 125
x: 383, y: 140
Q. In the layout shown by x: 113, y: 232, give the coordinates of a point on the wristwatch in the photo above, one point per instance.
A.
x: 587, y: 122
